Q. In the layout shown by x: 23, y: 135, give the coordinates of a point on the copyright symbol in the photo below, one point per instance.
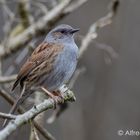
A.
x: 120, y: 132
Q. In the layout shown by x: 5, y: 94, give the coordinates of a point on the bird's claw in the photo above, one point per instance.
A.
x: 57, y: 100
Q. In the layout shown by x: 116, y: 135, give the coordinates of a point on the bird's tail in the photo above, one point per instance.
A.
x: 24, y: 94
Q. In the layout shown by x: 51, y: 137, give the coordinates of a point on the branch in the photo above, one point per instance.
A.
x: 33, y: 112
x: 74, y: 5
x: 39, y: 97
x: 7, y: 79
x: 9, y: 18
x: 42, y: 130
x: 7, y: 116
x: 34, y: 135
x: 42, y: 26
x: 104, y: 21
x: 25, y: 18
x: 40, y: 6
x: 23, y: 8
x: 0, y: 67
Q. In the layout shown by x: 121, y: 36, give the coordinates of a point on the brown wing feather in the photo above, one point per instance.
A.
x: 42, y: 53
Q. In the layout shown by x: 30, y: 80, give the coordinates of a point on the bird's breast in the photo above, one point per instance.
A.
x: 63, y: 68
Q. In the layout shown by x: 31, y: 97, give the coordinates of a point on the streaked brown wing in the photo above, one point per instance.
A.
x: 44, y: 53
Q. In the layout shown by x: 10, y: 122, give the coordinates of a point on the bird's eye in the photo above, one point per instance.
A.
x: 63, y: 31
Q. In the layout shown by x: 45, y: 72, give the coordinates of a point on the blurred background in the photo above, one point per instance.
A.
x: 108, y: 91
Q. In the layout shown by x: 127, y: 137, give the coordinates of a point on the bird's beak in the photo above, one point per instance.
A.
x: 74, y: 31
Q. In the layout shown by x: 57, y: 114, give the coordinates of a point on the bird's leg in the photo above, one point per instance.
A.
x: 56, y: 96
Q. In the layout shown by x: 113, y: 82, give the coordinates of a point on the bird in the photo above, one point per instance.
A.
x: 50, y: 66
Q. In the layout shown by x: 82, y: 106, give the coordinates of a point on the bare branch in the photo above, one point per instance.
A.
x: 74, y: 5
x: 92, y: 33
x: 42, y: 130
x: 39, y: 97
x: 24, y: 118
x: 7, y: 116
x: 34, y: 135
x: 110, y: 52
x: 43, y: 9
x: 0, y: 67
x: 7, y: 79
x: 23, y: 8
x: 42, y: 26
x: 9, y: 17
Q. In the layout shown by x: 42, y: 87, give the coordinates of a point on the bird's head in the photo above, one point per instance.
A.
x: 62, y: 33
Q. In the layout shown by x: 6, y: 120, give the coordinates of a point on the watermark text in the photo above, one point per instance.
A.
x: 128, y: 132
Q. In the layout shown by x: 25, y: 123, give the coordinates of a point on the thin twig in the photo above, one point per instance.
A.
x: 7, y: 116
x: 0, y: 67
x: 40, y: 6
x: 9, y: 18
x: 23, y: 8
x: 11, y: 101
x: 24, y: 118
x: 74, y: 5
x: 39, y: 97
x: 7, y: 79
x: 92, y: 33
x: 43, y: 25
x: 34, y: 135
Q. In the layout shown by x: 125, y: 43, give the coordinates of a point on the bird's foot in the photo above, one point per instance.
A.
x: 55, y: 95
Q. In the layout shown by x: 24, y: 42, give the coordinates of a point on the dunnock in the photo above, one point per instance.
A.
x: 50, y: 65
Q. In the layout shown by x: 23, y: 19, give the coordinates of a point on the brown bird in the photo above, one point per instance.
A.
x: 50, y: 65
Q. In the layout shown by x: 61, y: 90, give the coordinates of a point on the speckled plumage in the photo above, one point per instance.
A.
x: 52, y: 63
x: 50, y: 66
